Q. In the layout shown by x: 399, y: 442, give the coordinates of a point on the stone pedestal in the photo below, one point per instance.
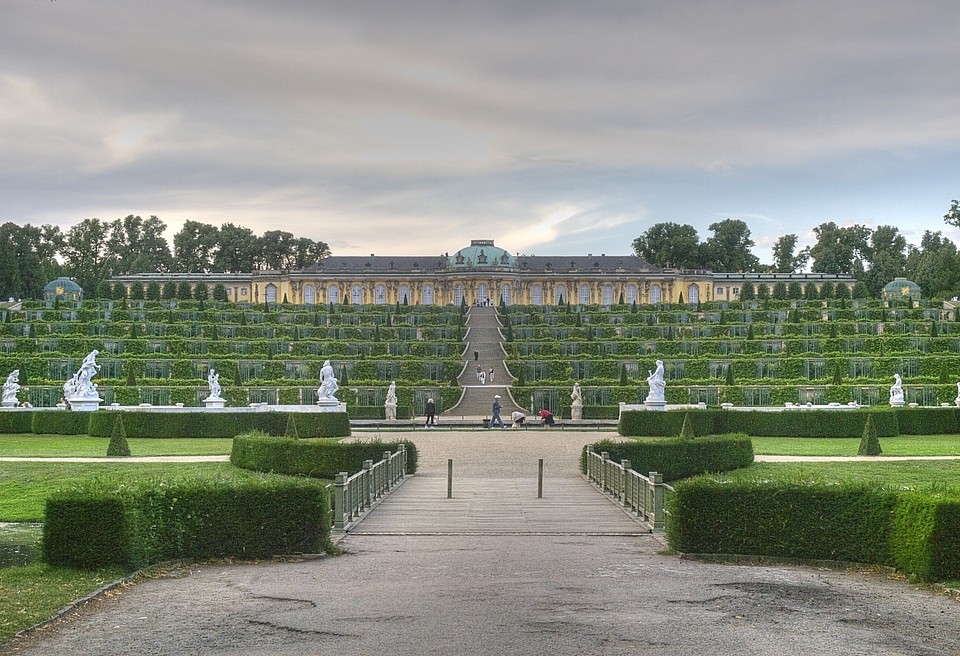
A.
x: 331, y: 405
x: 655, y: 405
x: 8, y: 404
x: 897, y: 403
x: 85, y: 404
x: 390, y: 411
x: 214, y: 402
x: 576, y: 411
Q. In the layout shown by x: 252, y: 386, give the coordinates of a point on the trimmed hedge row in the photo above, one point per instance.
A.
x: 793, y: 423
x: 378, y: 412
x: 917, y: 532
x: 219, y: 424
x: 61, y: 422
x: 676, y: 458
x: 107, y: 523
x: 314, y: 458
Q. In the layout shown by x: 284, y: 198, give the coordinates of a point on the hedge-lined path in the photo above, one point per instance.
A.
x: 485, y: 338
x: 564, y: 595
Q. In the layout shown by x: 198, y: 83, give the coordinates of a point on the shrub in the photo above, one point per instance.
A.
x: 678, y: 458
x: 925, y: 538
x: 791, y: 423
x: 118, y: 440
x: 220, y: 424
x: 20, y: 421
x: 107, y: 523
x: 686, y: 431
x: 63, y: 422
x: 315, y: 458
x: 869, y: 444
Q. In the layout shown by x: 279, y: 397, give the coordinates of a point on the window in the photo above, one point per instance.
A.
x: 608, y: 294
x: 482, y: 296
x: 380, y: 295
x: 537, y: 295
x: 505, y: 294
x: 584, y: 295
x: 693, y: 294
x: 309, y: 294
x: 356, y: 294
x: 718, y: 291
x: 631, y: 294
x: 270, y: 293
x: 333, y: 294
x: 560, y: 294
x: 428, y: 294
x: 403, y: 296
x: 654, y: 293
x: 458, y: 295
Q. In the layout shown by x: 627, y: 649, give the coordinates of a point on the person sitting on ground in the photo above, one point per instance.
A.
x: 546, y: 418
x: 518, y: 418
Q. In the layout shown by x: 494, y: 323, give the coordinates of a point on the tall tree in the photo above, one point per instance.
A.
x: 952, y: 216
x: 669, y: 245
x: 785, y: 257
x: 277, y: 249
x: 729, y: 247
x: 237, y: 249
x: 935, y: 265
x: 138, y: 246
x: 839, y: 249
x: 887, y: 257
x: 86, y: 254
x: 195, y: 247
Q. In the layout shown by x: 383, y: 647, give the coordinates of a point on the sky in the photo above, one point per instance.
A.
x: 410, y: 127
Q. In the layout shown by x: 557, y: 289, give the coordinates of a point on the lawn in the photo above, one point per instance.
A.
x: 901, y: 474
x: 904, y: 445
x: 25, y: 486
x: 30, y: 445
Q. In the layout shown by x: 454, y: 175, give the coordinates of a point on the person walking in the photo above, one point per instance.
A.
x: 495, y: 419
x: 483, y: 378
x: 431, y: 412
x: 479, y: 371
x: 490, y: 375
x: 476, y: 356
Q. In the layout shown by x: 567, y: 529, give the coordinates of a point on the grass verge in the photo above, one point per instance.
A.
x: 30, y: 445
x: 911, y: 474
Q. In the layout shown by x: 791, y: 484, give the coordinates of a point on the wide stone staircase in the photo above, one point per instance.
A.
x: 484, y: 337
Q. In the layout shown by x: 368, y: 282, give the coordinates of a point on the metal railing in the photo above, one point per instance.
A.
x: 355, y: 495
x: 641, y: 495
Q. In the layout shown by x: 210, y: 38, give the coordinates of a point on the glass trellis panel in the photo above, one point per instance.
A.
x: 767, y: 368
x: 356, y: 295
x: 674, y: 369
x: 920, y: 395
x: 333, y: 294
x: 631, y: 294
x: 309, y: 294
x: 250, y: 369
x: 266, y: 395
x: 756, y: 396
x: 581, y: 369
x: 433, y: 370
x: 458, y: 295
x: 869, y: 395
x: 536, y: 293
x: 718, y: 368
x: 860, y: 367
x: 560, y: 295
x: 814, y: 395
x: 403, y: 294
x: 388, y: 369
x: 155, y: 395
x: 111, y: 368
x: 708, y: 395
x: 270, y: 293
x: 156, y: 346
x: 544, y: 399
x: 598, y: 396
x: 693, y: 294
x: 44, y: 397
x: 852, y: 344
x: 655, y: 293
x: 379, y: 295
x: 505, y: 293
x: 156, y: 368
x: 608, y: 294
x: 814, y: 369
x: 296, y: 369
x: 908, y: 367
x: 59, y: 369
x: 420, y: 396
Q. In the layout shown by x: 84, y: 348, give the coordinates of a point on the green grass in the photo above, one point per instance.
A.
x: 30, y: 445
x: 25, y: 486
x: 905, y: 445
x: 33, y: 593
x: 901, y: 474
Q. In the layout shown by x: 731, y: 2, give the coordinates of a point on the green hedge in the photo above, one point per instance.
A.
x: 788, y: 423
x: 915, y: 531
x: 675, y: 458
x: 315, y: 458
x: 928, y: 421
x: 378, y: 412
x: 107, y: 523
x: 63, y: 422
x: 16, y: 421
x: 220, y: 424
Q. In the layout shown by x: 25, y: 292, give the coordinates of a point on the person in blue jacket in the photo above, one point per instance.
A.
x: 495, y: 419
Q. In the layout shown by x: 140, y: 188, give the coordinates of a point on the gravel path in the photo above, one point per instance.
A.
x: 559, y: 594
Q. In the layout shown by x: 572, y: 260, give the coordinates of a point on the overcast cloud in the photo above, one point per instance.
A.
x: 412, y: 127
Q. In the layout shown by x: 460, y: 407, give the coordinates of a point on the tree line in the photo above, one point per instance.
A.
x: 93, y: 250
x: 873, y: 257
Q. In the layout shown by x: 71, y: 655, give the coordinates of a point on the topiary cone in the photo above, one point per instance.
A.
x: 118, y: 439
x: 686, y: 431
x: 869, y: 443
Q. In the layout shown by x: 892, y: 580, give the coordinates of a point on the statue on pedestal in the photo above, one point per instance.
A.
x: 896, y: 391
x: 576, y: 402
x: 328, y: 383
x: 81, y: 385
x: 658, y: 385
x: 213, y: 381
x: 10, y: 389
x: 390, y: 406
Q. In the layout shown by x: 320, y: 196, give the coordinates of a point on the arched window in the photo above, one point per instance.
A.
x: 309, y: 294
x: 482, y: 293
x: 536, y: 294
x: 505, y: 294
x: 428, y: 294
x: 608, y: 294
x: 561, y: 295
x: 584, y: 294
x: 270, y: 293
x: 654, y: 293
x: 631, y: 294
x: 380, y: 295
x: 693, y: 294
x: 458, y: 295
x: 356, y: 294
x: 333, y: 294
x: 404, y: 295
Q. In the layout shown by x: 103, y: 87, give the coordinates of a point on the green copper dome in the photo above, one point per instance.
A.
x: 482, y: 254
x: 901, y: 288
x: 62, y: 287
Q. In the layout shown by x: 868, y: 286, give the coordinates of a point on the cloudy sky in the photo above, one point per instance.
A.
x: 413, y: 126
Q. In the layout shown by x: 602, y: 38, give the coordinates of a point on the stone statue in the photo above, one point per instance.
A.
x: 896, y: 391
x: 392, y: 393
x: 390, y: 406
x: 576, y: 402
x: 10, y: 389
x: 957, y: 400
x: 328, y: 383
x: 81, y: 385
x: 658, y: 385
x: 213, y: 380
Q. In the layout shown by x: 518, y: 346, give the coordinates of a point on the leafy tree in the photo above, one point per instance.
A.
x: 669, y: 245
x: 194, y: 247
x: 860, y: 290
x: 827, y: 289
x: 237, y: 250
x: 220, y: 292
x: 780, y: 290
x: 184, y: 291
x: 952, y: 217
x: 137, y: 290
x: 810, y: 291
x: 119, y: 291
x: 169, y: 290
x: 841, y: 291
x: 747, y: 291
x: 839, y: 248
x: 729, y: 247
x: 785, y: 257
x: 763, y: 292
x: 887, y: 258
x: 935, y: 265
x: 85, y: 252
x: 794, y: 290
x: 136, y: 245
x: 200, y: 292
x: 153, y: 292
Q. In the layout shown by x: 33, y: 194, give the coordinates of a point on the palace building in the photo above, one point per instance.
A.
x: 483, y: 273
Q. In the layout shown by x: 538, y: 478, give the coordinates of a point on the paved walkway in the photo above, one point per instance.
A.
x: 563, y: 594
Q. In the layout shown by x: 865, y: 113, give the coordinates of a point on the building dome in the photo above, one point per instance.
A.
x: 63, y: 288
x: 901, y: 288
x: 482, y: 254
